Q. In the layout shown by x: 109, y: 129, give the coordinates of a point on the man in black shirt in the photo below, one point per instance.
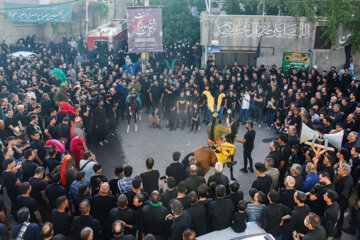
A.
x: 181, y: 220
x: 136, y: 189
x: 55, y: 189
x: 286, y: 195
x: 53, y: 161
x: 273, y: 215
x: 102, y: 203
x: 24, y: 200
x: 193, y: 181
x: 219, y: 177
x: 100, y: 122
x: 118, y: 231
x: 197, y: 212
x: 86, y: 220
x: 171, y: 192
x: 60, y: 218
x: 119, y: 173
x: 263, y: 181
x: 220, y: 210
x: 235, y: 195
x: 153, y: 218
x: 11, y: 182
x: 344, y: 189
x: 316, y: 231
x: 248, y: 142
x: 259, y: 99
x: 331, y: 214
x: 29, y: 165
x: 123, y: 213
x: 317, y: 203
x: 62, y: 132
x: 39, y: 149
x: 275, y: 153
x: 38, y: 189
x: 156, y: 94
x: 176, y: 169
x: 181, y: 196
x: 298, y: 215
x: 33, y: 126
x: 151, y: 178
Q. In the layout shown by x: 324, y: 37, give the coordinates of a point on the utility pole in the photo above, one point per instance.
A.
x: 263, y: 7
x: 144, y: 54
x: 114, y: 9
x: 87, y: 17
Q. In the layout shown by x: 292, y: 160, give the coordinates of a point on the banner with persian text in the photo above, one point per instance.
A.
x: 144, y: 29
x: 296, y: 60
x: 27, y: 13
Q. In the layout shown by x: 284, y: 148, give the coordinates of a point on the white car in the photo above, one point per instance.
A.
x: 26, y: 55
x: 252, y: 232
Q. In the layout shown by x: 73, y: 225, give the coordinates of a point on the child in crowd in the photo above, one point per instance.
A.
x: 294, y: 157
x: 239, y: 218
x: 195, y: 118
x: 277, y: 126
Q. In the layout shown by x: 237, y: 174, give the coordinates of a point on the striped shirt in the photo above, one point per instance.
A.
x: 254, y: 212
x: 125, y: 185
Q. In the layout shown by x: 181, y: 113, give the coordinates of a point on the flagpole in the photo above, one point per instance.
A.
x: 86, y: 17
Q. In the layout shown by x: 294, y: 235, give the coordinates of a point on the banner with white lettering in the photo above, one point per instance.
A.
x: 144, y: 29
x: 38, y: 13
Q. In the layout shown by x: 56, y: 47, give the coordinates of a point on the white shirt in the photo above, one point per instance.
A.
x: 246, y: 102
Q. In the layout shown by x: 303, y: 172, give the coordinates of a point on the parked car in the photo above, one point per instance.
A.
x: 252, y: 232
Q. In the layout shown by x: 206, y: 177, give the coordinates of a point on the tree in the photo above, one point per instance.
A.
x: 178, y: 22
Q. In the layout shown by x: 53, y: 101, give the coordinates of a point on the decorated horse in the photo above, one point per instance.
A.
x: 206, y: 157
x: 133, y: 104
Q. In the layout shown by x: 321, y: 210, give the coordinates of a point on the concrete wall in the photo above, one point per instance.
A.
x: 11, y: 32
x: 279, y: 34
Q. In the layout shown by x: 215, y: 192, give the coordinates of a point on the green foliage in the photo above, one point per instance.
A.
x: 178, y: 22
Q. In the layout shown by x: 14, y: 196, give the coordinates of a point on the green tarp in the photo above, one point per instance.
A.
x: 38, y: 13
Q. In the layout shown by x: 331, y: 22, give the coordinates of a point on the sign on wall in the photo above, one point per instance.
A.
x: 213, y: 49
x: 296, y: 60
x: 266, y: 28
x: 38, y: 13
x: 144, y: 29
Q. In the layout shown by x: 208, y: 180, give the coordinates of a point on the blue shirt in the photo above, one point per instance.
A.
x: 32, y: 232
x: 310, y: 181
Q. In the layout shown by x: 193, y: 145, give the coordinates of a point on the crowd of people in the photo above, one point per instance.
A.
x: 298, y: 193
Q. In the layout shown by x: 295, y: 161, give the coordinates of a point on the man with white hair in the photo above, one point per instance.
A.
x: 311, y: 178
x: 292, y: 136
x: 286, y: 195
x: 295, y: 172
x: 218, y: 177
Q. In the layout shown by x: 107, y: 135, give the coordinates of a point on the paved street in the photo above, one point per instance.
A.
x: 133, y: 149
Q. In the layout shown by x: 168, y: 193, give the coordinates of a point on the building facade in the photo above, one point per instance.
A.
x: 237, y: 37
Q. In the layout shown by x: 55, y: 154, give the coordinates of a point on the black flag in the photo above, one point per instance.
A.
x: 257, y: 54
